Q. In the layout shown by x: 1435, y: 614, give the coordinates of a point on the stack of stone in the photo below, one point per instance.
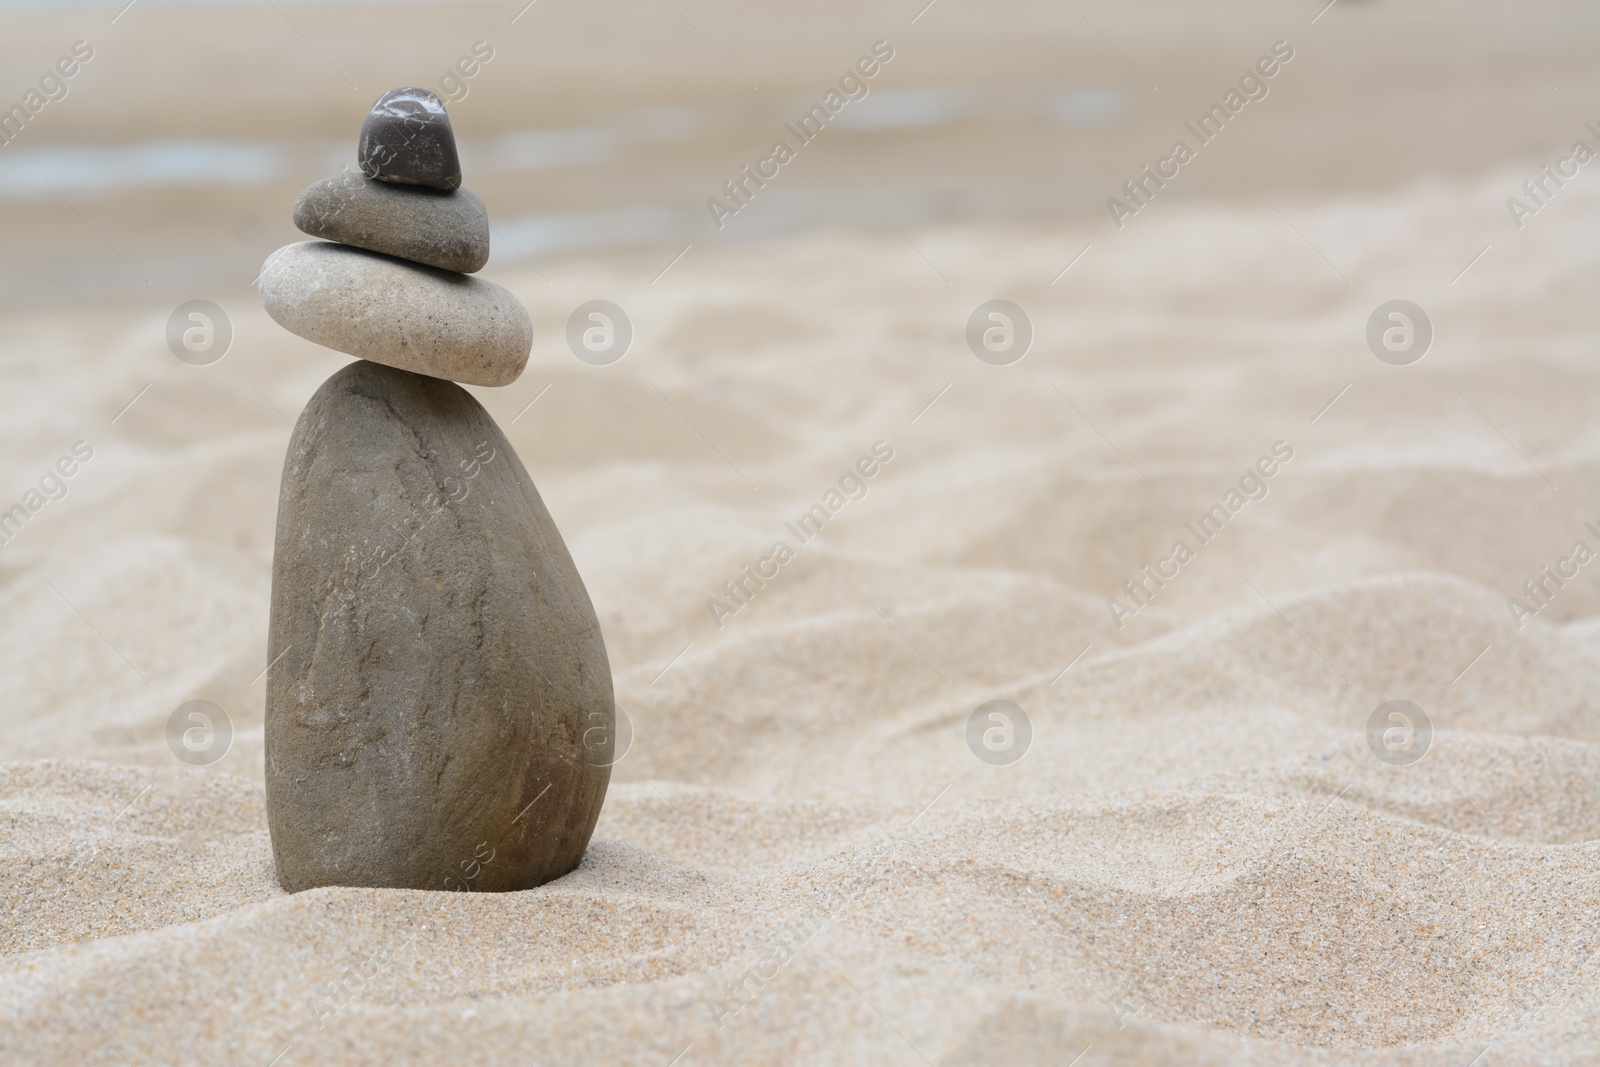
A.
x: 439, y: 704
x: 408, y: 203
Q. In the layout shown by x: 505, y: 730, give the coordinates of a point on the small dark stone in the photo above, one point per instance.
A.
x: 407, y: 139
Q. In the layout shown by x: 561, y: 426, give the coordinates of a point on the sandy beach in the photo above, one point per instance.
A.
x: 1199, y: 858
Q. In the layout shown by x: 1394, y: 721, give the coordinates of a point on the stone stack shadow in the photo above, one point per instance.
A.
x: 439, y: 704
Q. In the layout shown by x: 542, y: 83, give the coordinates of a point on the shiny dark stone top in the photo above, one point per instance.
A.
x: 407, y: 140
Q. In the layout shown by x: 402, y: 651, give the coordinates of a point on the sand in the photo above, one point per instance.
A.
x: 1198, y: 860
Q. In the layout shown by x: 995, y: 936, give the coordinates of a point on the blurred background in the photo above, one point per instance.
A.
x: 170, y: 166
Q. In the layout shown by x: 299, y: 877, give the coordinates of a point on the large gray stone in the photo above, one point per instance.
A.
x: 439, y: 702
x: 407, y: 316
x: 445, y: 230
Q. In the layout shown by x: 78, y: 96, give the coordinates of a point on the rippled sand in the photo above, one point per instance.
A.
x: 1198, y: 860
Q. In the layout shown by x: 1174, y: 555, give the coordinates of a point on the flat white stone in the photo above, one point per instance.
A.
x: 402, y: 315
